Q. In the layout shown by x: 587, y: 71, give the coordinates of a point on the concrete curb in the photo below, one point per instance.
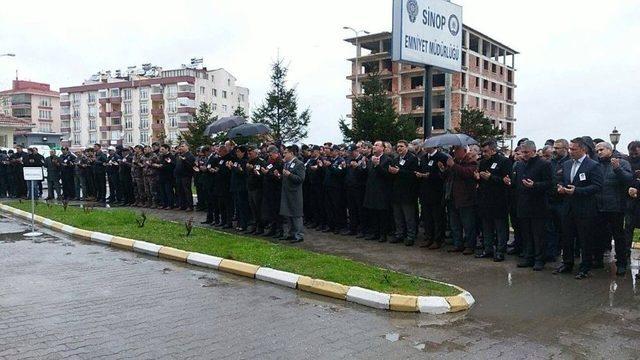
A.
x: 366, y: 297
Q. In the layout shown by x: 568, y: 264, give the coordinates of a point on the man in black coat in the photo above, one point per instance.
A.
x: 404, y: 194
x: 185, y: 161
x: 333, y: 186
x: 355, y: 181
x: 52, y: 163
x: 113, y: 175
x: 582, y: 180
x: 254, y: 187
x: 67, y: 166
x: 98, y: 165
x: 632, y: 212
x: 431, y: 182
x: 315, y: 175
x: 493, y: 201
x: 165, y: 177
x: 377, y: 197
x: 532, y: 179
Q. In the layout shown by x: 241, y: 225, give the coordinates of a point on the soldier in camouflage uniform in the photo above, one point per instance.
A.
x: 150, y: 174
x: 137, y: 176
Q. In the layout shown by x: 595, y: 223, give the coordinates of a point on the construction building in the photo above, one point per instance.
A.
x: 144, y: 104
x: 486, y: 82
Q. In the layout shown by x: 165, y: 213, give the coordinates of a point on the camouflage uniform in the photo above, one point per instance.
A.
x: 150, y: 175
x: 138, y: 179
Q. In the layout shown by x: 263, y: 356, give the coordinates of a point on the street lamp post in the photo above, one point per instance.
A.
x: 357, y: 32
x: 614, y: 137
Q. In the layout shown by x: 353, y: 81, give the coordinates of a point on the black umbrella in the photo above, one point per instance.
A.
x: 449, y: 140
x: 248, y: 130
x: 223, y: 124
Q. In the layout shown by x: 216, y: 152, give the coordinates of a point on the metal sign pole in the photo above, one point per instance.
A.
x: 32, y: 178
x: 427, y: 117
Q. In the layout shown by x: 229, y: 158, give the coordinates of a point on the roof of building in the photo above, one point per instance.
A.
x: 387, y: 34
x: 30, y: 87
x: 11, y: 121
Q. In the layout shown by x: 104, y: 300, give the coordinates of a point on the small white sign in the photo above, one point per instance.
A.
x: 32, y: 173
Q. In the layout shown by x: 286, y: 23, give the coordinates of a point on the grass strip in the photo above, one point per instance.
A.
x: 122, y: 222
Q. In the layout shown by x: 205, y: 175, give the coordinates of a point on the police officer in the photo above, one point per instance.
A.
x: 67, y: 161
x: 100, y: 173
x: 150, y: 174
x: 404, y: 194
x: 113, y: 175
x: 137, y: 175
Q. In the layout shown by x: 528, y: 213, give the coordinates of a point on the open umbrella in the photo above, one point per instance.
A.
x: 449, y: 140
x: 224, y: 123
x: 248, y: 130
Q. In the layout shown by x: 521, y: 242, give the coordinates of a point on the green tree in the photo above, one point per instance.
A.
x: 474, y: 123
x: 239, y: 111
x: 374, y: 116
x: 194, y: 135
x: 279, y: 111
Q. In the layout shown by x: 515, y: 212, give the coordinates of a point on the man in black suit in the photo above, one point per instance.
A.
x: 493, y: 200
x: 377, y: 192
x: 431, y: 182
x: 581, y: 181
x: 404, y: 193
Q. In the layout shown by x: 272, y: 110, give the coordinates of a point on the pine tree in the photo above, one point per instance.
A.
x: 194, y: 135
x: 279, y: 111
x: 374, y: 116
x: 474, y: 123
x: 239, y: 111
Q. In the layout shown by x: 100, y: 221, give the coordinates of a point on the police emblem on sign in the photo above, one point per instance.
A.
x: 412, y: 9
x: 454, y: 25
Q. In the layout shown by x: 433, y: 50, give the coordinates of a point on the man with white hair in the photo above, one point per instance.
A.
x: 611, y: 206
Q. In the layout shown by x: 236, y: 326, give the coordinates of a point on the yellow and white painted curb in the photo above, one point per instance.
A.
x: 366, y: 297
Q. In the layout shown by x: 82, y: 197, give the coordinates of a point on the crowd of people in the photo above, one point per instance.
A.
x: 568, y: 198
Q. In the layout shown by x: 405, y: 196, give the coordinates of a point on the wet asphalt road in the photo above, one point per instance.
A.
x: 63, y: 298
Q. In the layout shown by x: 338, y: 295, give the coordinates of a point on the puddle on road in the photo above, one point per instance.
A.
x: 208, y: 281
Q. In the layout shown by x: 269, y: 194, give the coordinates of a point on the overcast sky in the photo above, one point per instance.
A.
x: 577, y: 73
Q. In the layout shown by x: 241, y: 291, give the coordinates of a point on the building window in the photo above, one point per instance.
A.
x: 128, y: 122
x: 128, y: 137
x: 45, y: 127
x: 144, y: 108
x: 463, y: 80
x: 126, y: 94
x: 93, y: 111
x: 172, y: 106
x: 215, y: 92
x: 75, y: 98
x: 493, y: 68
x: 44, y: 114
x: 103, y: 94
x: 127, y: 108
x: 493, y: 86
x: 115, y: 121
x: 172, y: 91
x: 144, y: 94
x: 500, y: 89
x: 485, y: 84
x: 76, y: 138
x: 477, y: 61
x: 115, y: 92
x: 45, y: 102
x: 92, y: 97
x: 92, y: 138
x: 214, y: 106
x: 241, y: 96
x: 477, y: 81
x: 173, y: 136
x: 501, y: 70
x: 224, y: 94
x: 485, y: 65
x: 493, y: 105
x: 116, y: 135
x: 144, y: 123
x: 477, y: 102
x: 500, y: 106
x: 224, y: 108
x: 484, y: 104
x: 202, y: 90
x: 76, y: 112
x: 76, y: 125
x: 144, y: 137
x: 228, y: 82
x: 92, y: 124
x: 173, y: 121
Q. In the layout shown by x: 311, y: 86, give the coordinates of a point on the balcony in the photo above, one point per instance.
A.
x: 157, y: 112
x: 157, y: 127
x: 185, y: 94
x: 105, y: 114
x: 116, y: 114
x: 115, y: 99
x: 183, y: 125
x: 104, y: 128
x: 190, y: 110
x: 115, y: 127
x: 65, y: 130
x: 65, y: 103
x: 65, y: 117
x: 103, y: 101
x: 157, y: 97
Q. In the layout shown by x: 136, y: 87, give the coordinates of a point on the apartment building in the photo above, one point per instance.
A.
x: 39, y: 106
x: 487, y: 81
x: 142, y: 105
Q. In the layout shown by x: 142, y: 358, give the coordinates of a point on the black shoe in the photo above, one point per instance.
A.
x: 294, y: 240
x: 512, y: 251
x: 525, y: 264
x: 563, y: 269
x: 484, y: 255
x: 327, y: 229
x: 360, y: 236
x: 538, y: 266
x: 383, y: 238
x: 427, y: 244
x: 396, y: 240
x: 498, y: 258
x: 621, y: 270
x: 582, y: 275
x: 456, y: 249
